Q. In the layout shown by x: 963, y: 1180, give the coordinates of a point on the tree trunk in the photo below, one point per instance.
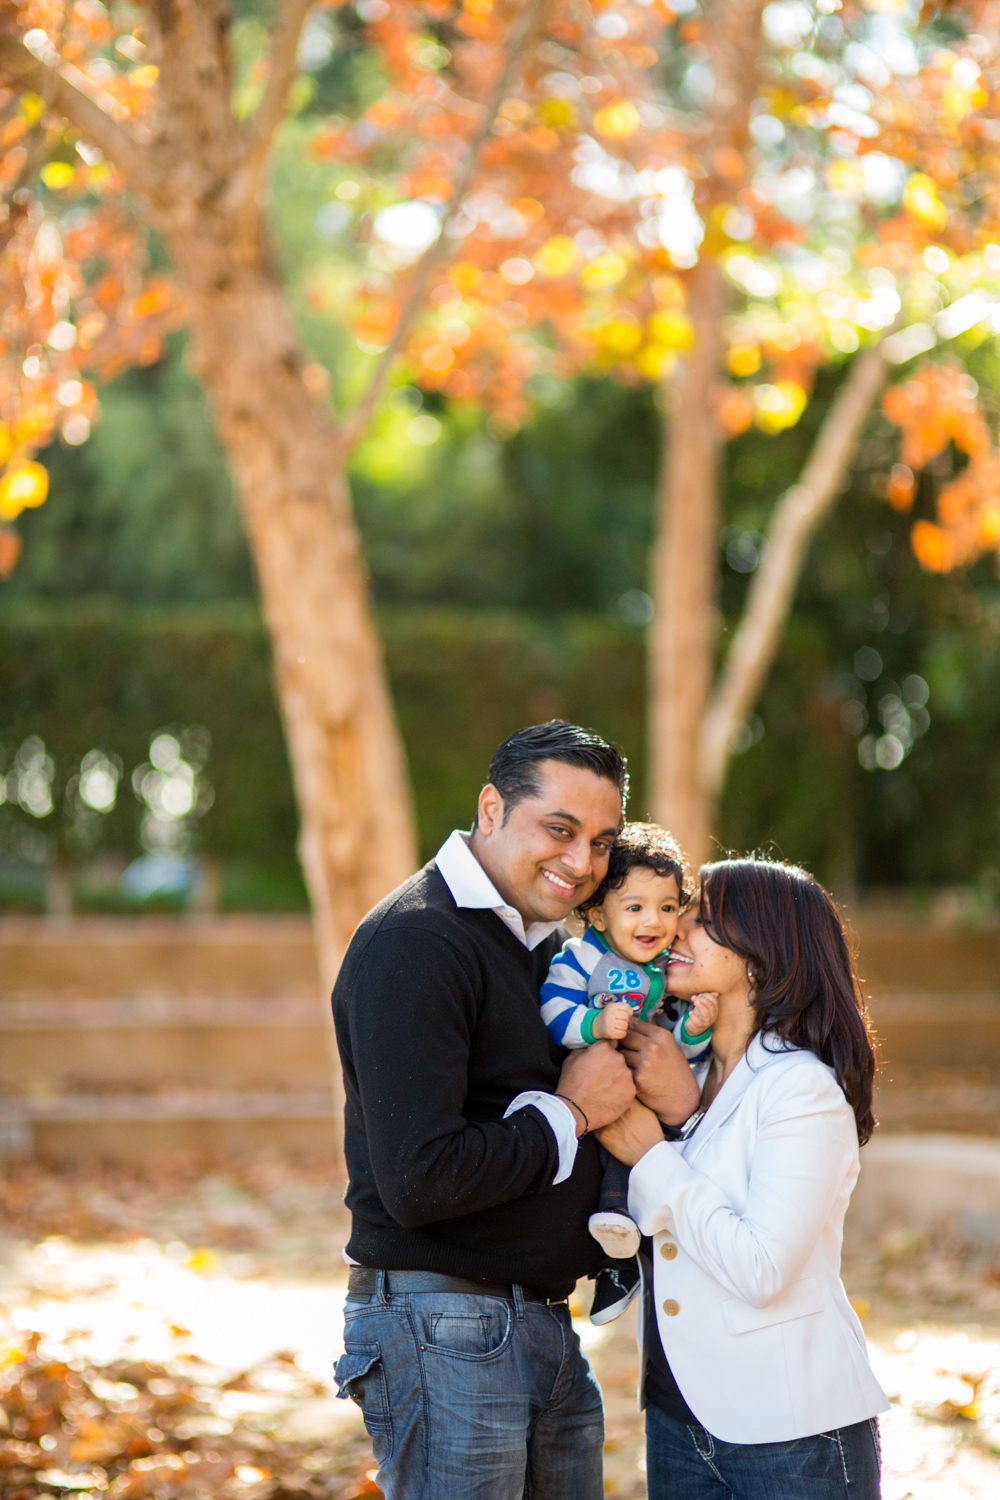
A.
x: 793, y: 524
x: 358, y: 838
x: 203, y: 179
x: 684, y: 570
x: 200, y: 176
x: 685, y: 549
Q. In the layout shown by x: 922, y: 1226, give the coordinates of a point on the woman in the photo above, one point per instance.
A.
x: 756, y: 1378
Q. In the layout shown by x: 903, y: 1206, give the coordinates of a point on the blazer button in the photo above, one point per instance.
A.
x: 671, y: 1308
x: 668, y: 1251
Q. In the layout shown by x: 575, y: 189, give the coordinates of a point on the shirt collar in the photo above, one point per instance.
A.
x: 471, y: 887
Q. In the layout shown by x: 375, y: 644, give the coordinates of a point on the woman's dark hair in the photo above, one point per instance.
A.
x: 514, y: 767
x: 644, y: 846
x: 804, y: 986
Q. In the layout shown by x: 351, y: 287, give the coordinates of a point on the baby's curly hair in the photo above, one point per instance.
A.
x: 640, y: 845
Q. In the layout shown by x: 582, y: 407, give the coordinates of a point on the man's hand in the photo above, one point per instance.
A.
x: 663, y: 1078
x: 632, y: 1134
x: 597, y: 1081
x: 611, y: 1023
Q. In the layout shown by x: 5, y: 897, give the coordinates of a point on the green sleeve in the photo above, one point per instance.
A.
x: 692, y: 1041
x: 587, y: 1025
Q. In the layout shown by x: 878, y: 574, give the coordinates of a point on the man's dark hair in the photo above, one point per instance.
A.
x: 514, y: 767
x: 644, y: 846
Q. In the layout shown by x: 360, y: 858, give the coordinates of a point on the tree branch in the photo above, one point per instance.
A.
x: 284, y: 69
x: 54, y: 83
x: 355, y: 421
x: 793, y: 523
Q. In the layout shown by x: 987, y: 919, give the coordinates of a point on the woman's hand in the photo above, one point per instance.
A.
x: 662, y: 1075
x: 632, y: 1134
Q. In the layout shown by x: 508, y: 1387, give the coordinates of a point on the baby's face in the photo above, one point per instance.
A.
x: 639, y: 919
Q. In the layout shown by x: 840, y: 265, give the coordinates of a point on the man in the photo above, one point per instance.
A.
x: 467, y: 1136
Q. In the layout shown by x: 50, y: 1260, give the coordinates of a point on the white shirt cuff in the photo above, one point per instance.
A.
x: 563, y: 1123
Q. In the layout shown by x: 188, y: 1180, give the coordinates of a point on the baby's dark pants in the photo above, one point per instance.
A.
x: 614, y: 1184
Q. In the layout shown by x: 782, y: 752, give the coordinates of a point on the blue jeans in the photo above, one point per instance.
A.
x: 687, y: 1463
x: 473, y: 1398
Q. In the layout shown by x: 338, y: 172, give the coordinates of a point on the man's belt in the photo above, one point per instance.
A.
x: 363, y: 1281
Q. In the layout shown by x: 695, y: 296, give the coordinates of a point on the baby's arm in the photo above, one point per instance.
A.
x: 568, y: 1018
x: 693, y: 1032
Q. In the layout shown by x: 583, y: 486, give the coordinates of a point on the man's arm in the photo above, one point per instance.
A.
x: 411, y: 1011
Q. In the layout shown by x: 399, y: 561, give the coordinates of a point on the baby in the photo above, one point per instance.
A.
x: 597, y: 982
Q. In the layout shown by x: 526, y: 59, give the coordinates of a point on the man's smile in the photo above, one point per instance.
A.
x: 560, y: 883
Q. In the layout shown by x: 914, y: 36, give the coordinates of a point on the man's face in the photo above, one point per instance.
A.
x: 553, y: 850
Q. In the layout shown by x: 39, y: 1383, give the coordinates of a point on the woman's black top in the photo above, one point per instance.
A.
x: 662, y: 1390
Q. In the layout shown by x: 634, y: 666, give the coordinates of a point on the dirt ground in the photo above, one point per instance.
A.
x: 172, y: 1334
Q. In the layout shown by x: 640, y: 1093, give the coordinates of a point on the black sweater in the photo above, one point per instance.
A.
x: 438, y: 1024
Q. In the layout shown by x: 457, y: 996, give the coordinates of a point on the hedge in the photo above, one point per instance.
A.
x: 101, y: 674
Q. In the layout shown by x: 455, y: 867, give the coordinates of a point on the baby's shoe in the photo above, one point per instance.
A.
x: 617, y: 1234
x: 614, y: 1289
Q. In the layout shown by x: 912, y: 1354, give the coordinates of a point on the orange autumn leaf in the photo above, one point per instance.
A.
x: 901, y: 488
x: 936, y: 407
x: 735, y: 408
x: 931, y: 547
x: 10, y: 550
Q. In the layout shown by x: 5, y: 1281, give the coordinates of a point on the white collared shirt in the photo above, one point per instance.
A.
x: 471, y: 887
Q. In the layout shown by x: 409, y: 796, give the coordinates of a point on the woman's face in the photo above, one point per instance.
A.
x: 697, y: 962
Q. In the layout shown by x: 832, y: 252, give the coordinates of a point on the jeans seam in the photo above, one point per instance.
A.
x: 563, y: 1371
x: 555, y: 1385
x: 843, y: 1459
x: 707, y: 1458
x: 425, y: 1424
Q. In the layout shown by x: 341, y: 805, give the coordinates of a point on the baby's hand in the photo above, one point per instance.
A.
x: 611, y: 1023
x: 704, y: 1013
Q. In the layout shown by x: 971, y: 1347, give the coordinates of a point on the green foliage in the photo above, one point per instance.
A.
x: 464, y: 679
x: 103, y: 675
x: 99, y: 675
x: 934, y: 819
x: 145, y: 509
x: 498, y: 569
x: 555, y: 520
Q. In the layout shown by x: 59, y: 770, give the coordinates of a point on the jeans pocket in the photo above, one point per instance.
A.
x: 472, y: 1333
x: 360, y: 1378
x: 479, y: 1331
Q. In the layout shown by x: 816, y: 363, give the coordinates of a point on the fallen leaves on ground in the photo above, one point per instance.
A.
x: 907, y: 1269
x: 136, y: 1430
x: 290, y: 1206
x: 170, y: 1333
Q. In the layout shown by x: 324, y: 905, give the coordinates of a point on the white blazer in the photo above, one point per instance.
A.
x: 747, y: 1221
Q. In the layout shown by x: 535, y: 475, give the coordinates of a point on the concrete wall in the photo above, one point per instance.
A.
x: 944, y: 1184
x: 123, y: 1036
